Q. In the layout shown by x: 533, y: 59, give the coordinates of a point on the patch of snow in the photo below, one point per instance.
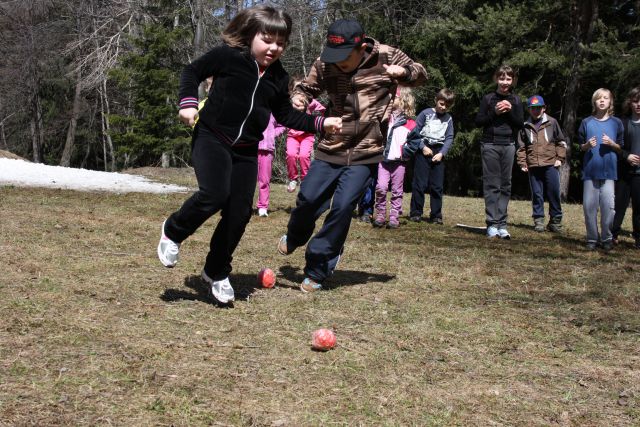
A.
x: 26, y: 174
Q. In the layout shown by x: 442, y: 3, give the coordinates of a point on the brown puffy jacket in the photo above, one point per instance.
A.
x: 363, y: 99
x: 542, y: 147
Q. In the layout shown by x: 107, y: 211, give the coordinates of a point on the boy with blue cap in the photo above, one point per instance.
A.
x: 541, y: 151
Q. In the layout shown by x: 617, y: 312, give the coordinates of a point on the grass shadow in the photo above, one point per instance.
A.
x: 339, y: 279
x: 243, y: 285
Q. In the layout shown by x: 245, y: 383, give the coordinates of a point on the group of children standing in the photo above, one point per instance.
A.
x: 233, y: 145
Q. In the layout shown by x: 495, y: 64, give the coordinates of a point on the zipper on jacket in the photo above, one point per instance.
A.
x: 253, y: 95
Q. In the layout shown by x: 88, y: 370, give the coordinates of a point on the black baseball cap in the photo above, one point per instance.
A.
x: 342, y: 36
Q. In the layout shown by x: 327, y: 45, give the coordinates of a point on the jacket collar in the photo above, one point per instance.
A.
x: 544, y: 120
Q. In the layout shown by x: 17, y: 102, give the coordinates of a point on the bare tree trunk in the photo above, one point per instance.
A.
x: 107, y: 143
x: 35, y: 143
x: 3, y: 137
x: 584, y: 17
x: 71, y: 132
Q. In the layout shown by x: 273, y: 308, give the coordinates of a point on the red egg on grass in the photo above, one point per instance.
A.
x: 323, y: 340
x: 267, y: 278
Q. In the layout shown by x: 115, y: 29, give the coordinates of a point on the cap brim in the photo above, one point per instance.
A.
x: 331, y: 55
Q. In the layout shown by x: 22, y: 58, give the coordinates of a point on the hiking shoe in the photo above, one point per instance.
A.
x: 415, y: 218
x: 538, y: 225
x: 504, y: 234
x: 365, y: 218
x: 591, y: 246
x: 309, y: 286
x: 291, y: 187
x: 283, y: 249
x: 168, y: 250
x: 221, y: 290
x: 378, y: 223
x: 607, y: 246
x: 637, y: 243
x: 492, y: 232
x: 263, y: 212
x: 393, y: 225
x: 555, y: 225
x: 435, y: 220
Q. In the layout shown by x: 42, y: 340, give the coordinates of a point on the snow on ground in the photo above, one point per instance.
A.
x: 26, y: 174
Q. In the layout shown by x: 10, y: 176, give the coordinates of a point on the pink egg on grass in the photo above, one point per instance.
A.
x: 267, y: 278
x: 323, y: 340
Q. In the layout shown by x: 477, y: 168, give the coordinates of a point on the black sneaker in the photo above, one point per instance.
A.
x: 365, y: 218
x: 607, y: 246
x: 590, y: 246
x: 435, y: 220
x: 415, y: 218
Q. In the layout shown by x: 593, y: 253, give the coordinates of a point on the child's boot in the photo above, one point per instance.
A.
x: 538, y: 224
x: 555, y: 224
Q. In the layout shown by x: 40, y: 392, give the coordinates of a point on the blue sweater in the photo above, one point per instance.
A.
x: 600, y: 162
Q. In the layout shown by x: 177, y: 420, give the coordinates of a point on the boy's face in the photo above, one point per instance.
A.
x: 635, y: 108
x: 536, y: 112
x: 267, y: 48
x: 353, y: 60
x: 603, y: 102
x: 441, y: 106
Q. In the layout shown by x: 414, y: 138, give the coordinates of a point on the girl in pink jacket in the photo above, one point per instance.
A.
x: 266, y: 149
x: 299, y: 147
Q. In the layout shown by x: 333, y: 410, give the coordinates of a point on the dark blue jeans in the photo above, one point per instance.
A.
x: 326, y: 184
x: 427, y: 176
x: 627, y: 187
x: 497, y: 162
x: 227, y: 183
x: 543, y: 181
x: 368, y: 199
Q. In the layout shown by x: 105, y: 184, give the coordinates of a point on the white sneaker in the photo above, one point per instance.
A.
x: 292, y: 186
x: 168, y: 250
x: 263, y: 212
x: 492, y: 232
x: 504, y: 234
x: 221, y: 290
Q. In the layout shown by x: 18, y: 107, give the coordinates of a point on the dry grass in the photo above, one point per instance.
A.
x: 435, y: 324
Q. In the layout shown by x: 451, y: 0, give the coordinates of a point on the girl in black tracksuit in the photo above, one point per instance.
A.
x: 249, y: 84
x: 501, y: 116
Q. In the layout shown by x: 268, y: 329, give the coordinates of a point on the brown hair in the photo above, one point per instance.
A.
x: 506, y: 70
x: 258, y: 19
x: 596, y: 95
x: 447, y: 95
x: 633, y: 96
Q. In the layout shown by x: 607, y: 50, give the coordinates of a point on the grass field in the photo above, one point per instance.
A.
x: 436, y: 325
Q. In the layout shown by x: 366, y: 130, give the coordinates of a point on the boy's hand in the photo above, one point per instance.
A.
x: 524, y: 169
x: 333, y: 124
x: 557, y: 164
x: 395, y: 71
x: 592, y: 142
x: 188, y: 116
x: 426, y: 151
x: 633, y: 159
x: 299, y: 102
x: 607, y: 141
x: 436, y: 158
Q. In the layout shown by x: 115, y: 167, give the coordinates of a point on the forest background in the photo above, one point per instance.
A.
x: 93, y: 83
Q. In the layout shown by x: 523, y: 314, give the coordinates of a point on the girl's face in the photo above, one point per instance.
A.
x: 441, y: 106
x: 603, y: 102
x: 504, y: 83
x: 267, y: 48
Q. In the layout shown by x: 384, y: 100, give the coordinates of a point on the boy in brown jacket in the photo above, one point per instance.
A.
x: 541, y: 151
x: 360, y: 76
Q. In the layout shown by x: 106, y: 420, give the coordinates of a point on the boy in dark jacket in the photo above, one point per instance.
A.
x: 360, y: 76
x: 541, y: 151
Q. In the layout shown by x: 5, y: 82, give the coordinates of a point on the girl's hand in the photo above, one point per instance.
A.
x: 633, y: 159
x: 436, y: 158
x: 503, y: 106
x: 188, y: 116
x: 333, y: 124
x: 557, y: 164
x: 426, y: 151
x: 524, y: 169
